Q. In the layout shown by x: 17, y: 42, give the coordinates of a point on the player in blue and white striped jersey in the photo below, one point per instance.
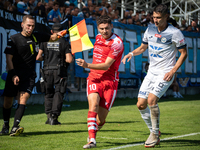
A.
x: 162, y: 40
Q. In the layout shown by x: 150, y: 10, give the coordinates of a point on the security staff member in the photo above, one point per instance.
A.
x: 20, y: 59
x: 57, y: 56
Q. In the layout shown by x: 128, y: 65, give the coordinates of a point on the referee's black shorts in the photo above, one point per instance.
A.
x: 26, y: 84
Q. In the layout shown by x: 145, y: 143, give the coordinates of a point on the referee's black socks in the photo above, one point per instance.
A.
x: 19, y: 114
x: 6, y: 116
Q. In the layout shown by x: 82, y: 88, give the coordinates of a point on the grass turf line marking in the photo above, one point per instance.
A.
x: 165, y: 139
x: 114, y: 138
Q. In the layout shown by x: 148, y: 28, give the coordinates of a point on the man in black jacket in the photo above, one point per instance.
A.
x: 57, y: 56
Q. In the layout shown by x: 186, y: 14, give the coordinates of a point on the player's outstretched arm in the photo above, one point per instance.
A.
x: 137, y: 51
x: 101, y: 66
x: 128, y: 56
x: 81, y: 62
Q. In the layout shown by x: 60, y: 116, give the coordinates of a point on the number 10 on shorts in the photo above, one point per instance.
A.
x: 92, y: 87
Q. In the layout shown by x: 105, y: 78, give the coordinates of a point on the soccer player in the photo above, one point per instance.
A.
x: 162, y: 40
x: 21, y: 53
x: 103, y: 78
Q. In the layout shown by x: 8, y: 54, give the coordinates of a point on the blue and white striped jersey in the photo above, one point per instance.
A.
x: 162, y: 47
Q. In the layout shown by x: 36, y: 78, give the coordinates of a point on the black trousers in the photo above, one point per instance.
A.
x: 53, y: 94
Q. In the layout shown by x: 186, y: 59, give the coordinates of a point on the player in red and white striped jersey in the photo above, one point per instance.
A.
x: 103, y: 78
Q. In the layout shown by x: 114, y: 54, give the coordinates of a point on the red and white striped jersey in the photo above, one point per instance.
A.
x: 103, y: 48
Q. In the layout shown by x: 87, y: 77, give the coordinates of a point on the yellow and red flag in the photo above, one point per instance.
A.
x: 79, y: 37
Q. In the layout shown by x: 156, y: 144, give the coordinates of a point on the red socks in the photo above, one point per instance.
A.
x: 92, y: 124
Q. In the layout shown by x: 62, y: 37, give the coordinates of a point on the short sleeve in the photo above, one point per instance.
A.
x: 10, y: 48
x: 179, y: 39
x: 116, y: 49
x: 67, y: 48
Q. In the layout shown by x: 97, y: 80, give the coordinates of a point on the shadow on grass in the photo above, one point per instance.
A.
x: 119, y: 122
x: 26, y: 134
x: 79, y: 105
x: 116, y: 144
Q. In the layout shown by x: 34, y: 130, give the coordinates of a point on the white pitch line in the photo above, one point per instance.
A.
x: 114, y: 138
x: 165, y: 139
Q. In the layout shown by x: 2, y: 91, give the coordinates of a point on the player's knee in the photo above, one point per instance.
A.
x: 152, y: 102
x: 141, y: 106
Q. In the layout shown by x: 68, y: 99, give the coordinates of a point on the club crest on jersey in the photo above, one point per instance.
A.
x: 158, y: 35
x: 163, y: 40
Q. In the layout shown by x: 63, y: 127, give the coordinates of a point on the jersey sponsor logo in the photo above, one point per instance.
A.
x: 156, y: 49
x: 8, y: 46
x: 97, y: 55
x: 98, y: 49
x: 97, y: 60
x: 163, y: 40
x: 158, y: 35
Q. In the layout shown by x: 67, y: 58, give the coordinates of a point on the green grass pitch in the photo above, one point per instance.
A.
x: 124, y: 128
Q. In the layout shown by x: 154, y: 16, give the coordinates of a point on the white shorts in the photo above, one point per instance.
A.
x: 154, y: 84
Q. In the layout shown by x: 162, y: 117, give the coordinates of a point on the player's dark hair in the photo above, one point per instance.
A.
x: 104, y: 19
x: 161, y: 8
x: 27, y: 16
